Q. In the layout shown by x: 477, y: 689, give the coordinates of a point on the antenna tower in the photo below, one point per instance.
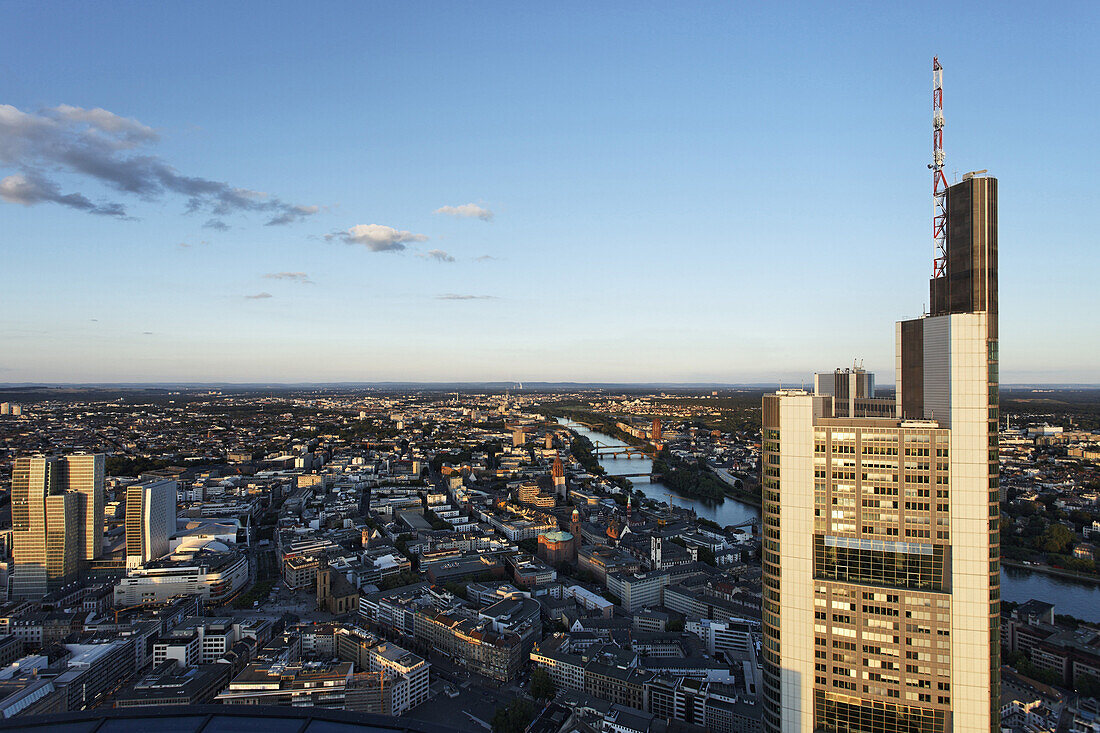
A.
x: 939, y: 181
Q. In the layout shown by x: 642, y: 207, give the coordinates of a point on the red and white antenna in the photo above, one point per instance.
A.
x: 939, y: 181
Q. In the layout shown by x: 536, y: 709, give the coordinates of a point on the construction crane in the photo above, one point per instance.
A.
x: 939, y: 181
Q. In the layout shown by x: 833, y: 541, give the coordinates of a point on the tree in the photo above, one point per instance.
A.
x: 542, y: 686
x: 1057, y: 539
x: 514, y: 718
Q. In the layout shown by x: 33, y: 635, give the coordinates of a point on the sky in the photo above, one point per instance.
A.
x: 616, y: 192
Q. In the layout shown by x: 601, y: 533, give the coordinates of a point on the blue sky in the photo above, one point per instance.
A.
x: 678, y: 191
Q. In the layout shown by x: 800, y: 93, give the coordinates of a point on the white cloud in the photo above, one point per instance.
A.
x: 377, y: 237
x: 466, y: 211
x: 258, y: 296
x: 457, y: 296
x: 298, y: 277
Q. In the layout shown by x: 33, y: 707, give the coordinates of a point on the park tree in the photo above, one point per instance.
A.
x: 514, y: 717
x: 541, y: 687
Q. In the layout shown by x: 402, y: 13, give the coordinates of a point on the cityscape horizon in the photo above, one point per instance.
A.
x: 434, y: 368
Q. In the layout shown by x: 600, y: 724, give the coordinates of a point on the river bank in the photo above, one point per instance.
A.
x: 1048, y: 570
x: 744, y: 493
x: 724, y: 512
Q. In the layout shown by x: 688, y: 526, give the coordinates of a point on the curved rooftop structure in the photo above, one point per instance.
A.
x: 558, y: 536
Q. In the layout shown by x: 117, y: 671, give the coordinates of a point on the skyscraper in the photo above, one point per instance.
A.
x: 150, y: 520
x: 57, y: 520
x: 85, y: 475
x: 881, y: 537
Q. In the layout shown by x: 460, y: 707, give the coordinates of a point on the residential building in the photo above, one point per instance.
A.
x: 471, y: 642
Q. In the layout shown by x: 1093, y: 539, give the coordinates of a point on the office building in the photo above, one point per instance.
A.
x: 150, y: 520
x: 881, y: 544
x: 846, y: 387
x: 57, y: 520
x: 171, y: 684
x: 298, y: 684
x: 84, y: 474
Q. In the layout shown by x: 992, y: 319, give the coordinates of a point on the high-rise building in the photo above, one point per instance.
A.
x: 57, y: 520
x: 63, y: 536
x: 846, y: 387
x: 85, y: 475
x: 150, y: 520
x: 881, y: 538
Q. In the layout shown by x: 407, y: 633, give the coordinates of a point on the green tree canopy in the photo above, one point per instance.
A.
x: 542, y: 686
x: 513, y: 718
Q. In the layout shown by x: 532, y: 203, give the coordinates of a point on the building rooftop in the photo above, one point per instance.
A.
x: 220, y: 719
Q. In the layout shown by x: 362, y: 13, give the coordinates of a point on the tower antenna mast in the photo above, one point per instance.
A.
x: 939, y: 181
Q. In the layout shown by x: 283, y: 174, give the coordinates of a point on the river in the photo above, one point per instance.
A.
x: 725, y: 512
x: 1071, y: 597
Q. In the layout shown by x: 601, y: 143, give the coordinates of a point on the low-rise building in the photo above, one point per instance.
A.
x: 313, y: 684
x: 213, y: 576
x: 172, y: 684
x: 471, y: 642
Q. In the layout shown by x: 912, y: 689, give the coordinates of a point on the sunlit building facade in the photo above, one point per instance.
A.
x: 57, y: 520
x: 150, y: 520
x: 881, y: 537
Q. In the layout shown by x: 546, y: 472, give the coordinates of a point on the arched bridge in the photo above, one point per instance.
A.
x: 625, y: 451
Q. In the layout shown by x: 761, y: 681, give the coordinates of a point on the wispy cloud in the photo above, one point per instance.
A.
x: 438, y: 255
x: 457, y: 296
x: 486, y: 258
x: 188, y: 245
x: 297, y: 277
x: 216, y: 224
x: 466, y: 211
x: 30, y: 188
x: 377, y: 237
x: 293, y: 214
x: 258, y: 296
x: 100, y: 146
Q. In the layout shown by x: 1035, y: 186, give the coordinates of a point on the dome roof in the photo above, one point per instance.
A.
x: 557, y: 536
